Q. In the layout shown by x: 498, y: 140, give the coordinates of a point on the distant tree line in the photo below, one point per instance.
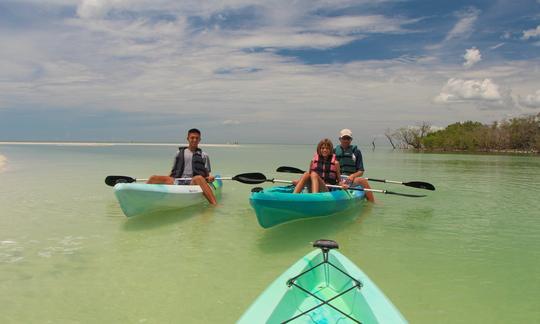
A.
x: 519, y: 134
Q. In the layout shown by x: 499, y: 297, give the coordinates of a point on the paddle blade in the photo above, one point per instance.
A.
x: 250, y: 178
x: 288, y: 169
x: 114, y: 179
x: 420, y: 185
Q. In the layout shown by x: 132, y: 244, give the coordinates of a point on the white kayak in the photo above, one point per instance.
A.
x: 142, y: 198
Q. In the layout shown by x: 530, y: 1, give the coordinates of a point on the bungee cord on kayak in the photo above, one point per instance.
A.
x: 325, y: 246
x: 323, y: 286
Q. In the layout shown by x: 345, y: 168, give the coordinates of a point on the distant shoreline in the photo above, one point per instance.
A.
x: 506, y: 151
x: 111, y: 144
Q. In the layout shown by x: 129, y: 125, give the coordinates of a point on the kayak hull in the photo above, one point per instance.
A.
x: 281, y: 302
x: 141, y: 198
x: 277, y: 205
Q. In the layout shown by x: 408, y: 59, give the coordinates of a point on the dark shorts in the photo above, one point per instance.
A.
x: 182, y: 182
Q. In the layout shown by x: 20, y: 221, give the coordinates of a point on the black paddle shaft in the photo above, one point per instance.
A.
x: 413, y: 184
x: 247, y: 178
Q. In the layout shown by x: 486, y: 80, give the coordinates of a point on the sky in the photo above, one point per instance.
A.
x: 276, y: 71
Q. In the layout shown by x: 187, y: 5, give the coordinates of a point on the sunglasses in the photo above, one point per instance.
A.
x: 346, y: 138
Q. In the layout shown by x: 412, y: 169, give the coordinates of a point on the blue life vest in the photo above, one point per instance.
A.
x: 347, y: 159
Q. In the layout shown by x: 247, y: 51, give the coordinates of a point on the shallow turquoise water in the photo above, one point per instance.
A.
x: 467, y: 253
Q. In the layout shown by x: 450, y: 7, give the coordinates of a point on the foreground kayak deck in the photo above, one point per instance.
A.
x: 142, y: 198
x: 279, y: 204
x: 314, y: 291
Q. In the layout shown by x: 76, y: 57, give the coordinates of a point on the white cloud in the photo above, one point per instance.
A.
x: 461, y: 30
x: 531, y: 101
x: 472, y: 56
x: 312, y: 32
x: 92, y: 9
x: 531, y: 33
x: 464, y: 27
x: 275, y: 39
x: 139, y: 63
x: 458, y: 90
x: 358, y: 24
x: 506, y: 35
x: 497, y: 46
x: 281, y: 24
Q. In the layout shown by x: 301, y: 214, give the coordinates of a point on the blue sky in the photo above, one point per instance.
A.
x: 261, y: 71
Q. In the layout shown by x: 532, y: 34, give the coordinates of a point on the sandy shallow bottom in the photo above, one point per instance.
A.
x: 3, y: 162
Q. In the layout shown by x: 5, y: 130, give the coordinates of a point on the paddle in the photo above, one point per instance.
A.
x: 261, y: 176
x: 414, y: 184
x: 248, y: 178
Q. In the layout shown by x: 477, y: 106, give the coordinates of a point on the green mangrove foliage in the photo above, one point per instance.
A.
x: 520, y: 134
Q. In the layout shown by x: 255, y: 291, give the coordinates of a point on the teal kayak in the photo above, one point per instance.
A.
x: 276, y: 205
x: 142, y: 198
x: 323, y: 287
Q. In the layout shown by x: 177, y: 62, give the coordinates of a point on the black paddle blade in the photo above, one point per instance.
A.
x: 288, y: 169
x: 250, y: 178
x: 420, y: 185
x: 114, y: 179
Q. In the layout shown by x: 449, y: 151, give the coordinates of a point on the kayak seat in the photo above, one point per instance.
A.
x: 257, y: 189
x: 326, y: 245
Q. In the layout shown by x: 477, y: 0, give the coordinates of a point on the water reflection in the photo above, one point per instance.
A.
x: 158, y: 219
x: 295, y: 235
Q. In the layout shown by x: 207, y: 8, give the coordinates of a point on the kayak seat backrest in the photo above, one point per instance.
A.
x: 257, y: 189
x: 326, y: 245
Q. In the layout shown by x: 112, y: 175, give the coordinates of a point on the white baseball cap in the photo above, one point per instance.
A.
x: 345, y: 132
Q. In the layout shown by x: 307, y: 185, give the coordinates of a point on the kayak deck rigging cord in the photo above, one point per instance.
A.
x: 325, y: 246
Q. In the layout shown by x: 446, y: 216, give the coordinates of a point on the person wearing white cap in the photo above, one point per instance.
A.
x: 350, y: 161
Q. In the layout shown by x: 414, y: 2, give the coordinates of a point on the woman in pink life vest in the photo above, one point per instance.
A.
x: 323, y: 169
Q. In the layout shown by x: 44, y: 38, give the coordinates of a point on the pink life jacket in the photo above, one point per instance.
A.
x: 326, y: 169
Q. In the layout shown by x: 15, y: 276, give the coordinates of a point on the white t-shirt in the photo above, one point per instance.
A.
x: 188, y: 157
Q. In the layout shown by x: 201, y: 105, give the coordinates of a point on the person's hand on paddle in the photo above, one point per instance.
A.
x: 210, y: 179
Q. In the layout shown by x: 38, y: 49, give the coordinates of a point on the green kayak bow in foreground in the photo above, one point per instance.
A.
x: 323, y: 287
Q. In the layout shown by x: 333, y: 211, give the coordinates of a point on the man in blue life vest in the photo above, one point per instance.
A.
x: 192, y: 163
x: 350, y: 162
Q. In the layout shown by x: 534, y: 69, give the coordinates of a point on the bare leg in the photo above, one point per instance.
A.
x: 157, y: 179
x: 317, y: 183
x: 207, y: 191
x: 322, y: 186
x: 314, y: 182
x: 364, y: 183
x: 301, y: 183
